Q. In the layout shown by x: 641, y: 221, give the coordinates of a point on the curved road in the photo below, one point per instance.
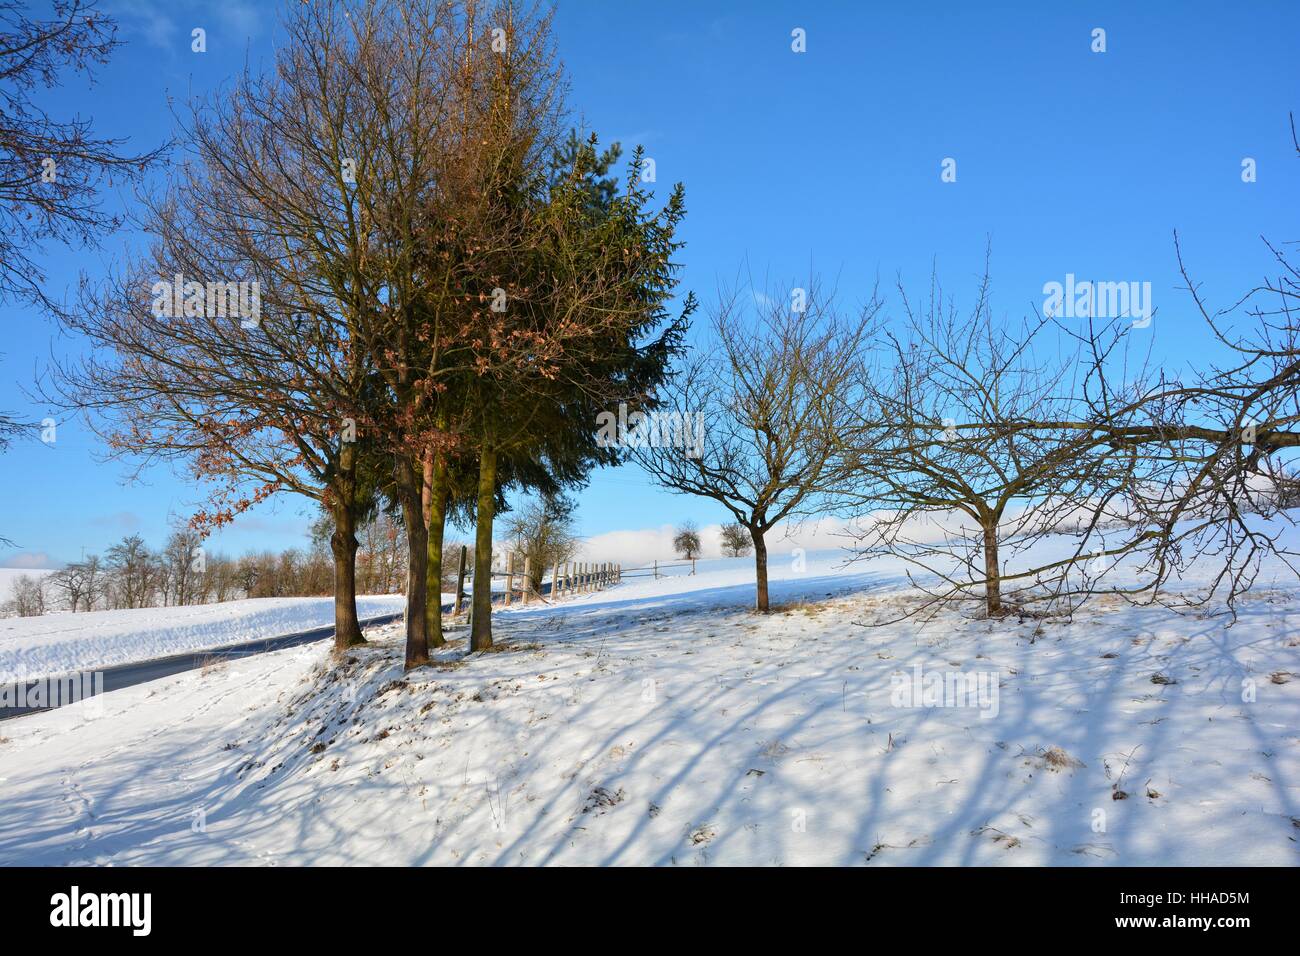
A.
x: 139, y: 672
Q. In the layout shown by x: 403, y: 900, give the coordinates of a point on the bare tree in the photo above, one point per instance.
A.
x: 133, y: 571
x: 735, y: 540
x: 542, y: 530
x: 80, y: 582
x: 751, y: 422
x: 383, y: 554
x: 1223, y: 440
x: 183, y: 562
x: 27, y: 596
x: 1214, y: 447
x: 52, y: 170
x: 972, y: 445
x: 290, y: 187
x: 686, y: 541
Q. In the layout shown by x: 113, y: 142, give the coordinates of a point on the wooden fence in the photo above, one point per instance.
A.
x: 567, y: 578
x: 657, y: 569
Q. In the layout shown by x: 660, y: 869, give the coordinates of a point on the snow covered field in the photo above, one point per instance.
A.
x: 63, y: 643
x: 662, y: 722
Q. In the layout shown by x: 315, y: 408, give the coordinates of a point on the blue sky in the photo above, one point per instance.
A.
x: 1068, y: 161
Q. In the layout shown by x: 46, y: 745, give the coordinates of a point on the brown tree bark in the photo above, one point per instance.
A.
x: 343, y: 545
x: 436, y: 517
x: 408, y: 489
x: 481, y: 633
x: 992, y: 575
x: 760, y: 569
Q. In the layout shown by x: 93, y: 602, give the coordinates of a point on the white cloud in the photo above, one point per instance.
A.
x: 167, y: 25
x: 29, y: 560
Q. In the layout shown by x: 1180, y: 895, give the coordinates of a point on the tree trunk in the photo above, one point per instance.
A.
x: 760, y: 569
x: 992, y: 576
x: 417, y: 557
x: 480, y: 637
x: 436, y: 516
x: 460, y: 581
x: 343, y: 544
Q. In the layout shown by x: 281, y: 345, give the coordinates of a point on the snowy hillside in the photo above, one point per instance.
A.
x: 662, y: 722
x: 61, y: 643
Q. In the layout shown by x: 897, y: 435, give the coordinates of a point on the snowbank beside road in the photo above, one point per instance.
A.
x: 62, y: 643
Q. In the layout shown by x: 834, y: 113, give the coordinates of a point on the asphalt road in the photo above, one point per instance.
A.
x: 140, y: 672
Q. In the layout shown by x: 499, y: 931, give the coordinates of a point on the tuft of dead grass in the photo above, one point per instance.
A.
x: 1057, y: 759
x: 811, y: 609
x: 504, y: 647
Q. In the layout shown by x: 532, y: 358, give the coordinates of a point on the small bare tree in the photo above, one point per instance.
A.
x: 80, y: 583
x: 763, y: 394
x: 735, y: 540
x: 133, y: 573
x: 543, y: 532
x: 687, y: 541
x: 27, y: 596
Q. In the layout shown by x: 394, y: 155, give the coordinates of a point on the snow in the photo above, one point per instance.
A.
x: 663, y: 722
x: 63, y: 643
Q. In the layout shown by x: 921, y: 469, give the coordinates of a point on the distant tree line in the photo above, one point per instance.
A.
x: 130, y: 574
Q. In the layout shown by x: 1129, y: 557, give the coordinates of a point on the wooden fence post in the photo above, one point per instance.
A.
x: 510, y: 575
x: 656, y: 569
x: 528, y: 579
x: 555, y: 580
x: 460, y: 580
